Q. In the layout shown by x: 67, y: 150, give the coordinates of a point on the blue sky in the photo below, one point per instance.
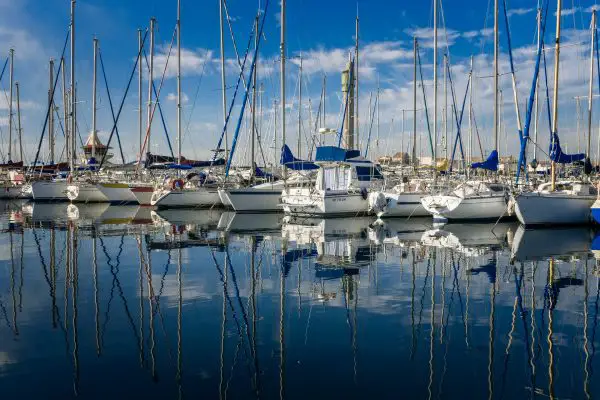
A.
x: 323, y: 31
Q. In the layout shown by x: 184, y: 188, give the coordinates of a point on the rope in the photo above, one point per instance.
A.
x: 112, y: 110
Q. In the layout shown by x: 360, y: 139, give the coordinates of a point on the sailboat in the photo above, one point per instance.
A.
x: 563, y: 202
x: 476, y: 199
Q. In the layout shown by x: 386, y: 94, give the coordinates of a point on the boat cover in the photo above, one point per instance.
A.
x: 491, y: 164
x: 288, y: 159
x: 557, y: 155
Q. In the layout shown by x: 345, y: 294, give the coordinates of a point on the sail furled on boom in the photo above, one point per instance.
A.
x: 491, y: 163
x: 557, y: 155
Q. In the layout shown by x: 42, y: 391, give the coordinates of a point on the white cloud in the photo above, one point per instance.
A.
x: 519, y: 11
x: 173, y: 97
x: 592, y: 8
x: 567, y: 11
x: 446, y: 38
x: 192, y: 62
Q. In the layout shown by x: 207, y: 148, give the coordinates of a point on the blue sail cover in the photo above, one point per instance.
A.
x: 558, y: 156
x: 259, y: 173
x: 288, y: 159
x: 491, y: 164
x: 334, y: 153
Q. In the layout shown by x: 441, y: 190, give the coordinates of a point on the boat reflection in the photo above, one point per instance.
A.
x: 248, y: 223
x: 469, y: 239
x: 543, y: 243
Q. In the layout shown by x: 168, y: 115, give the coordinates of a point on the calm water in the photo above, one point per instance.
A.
x: 119, y: 302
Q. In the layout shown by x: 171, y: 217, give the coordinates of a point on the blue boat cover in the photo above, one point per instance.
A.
x: 259, y: 173
x: 288, y: 159
x: 596, y: 242
x: 334, y: 153
x: 558, y: 156
x: 491, y: 164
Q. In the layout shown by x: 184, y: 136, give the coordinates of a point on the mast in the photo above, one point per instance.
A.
x: 282, y: 83
x: 178, y: 81
x: 94, y: 81
x: 555, y: 94
x: 140, y: 96
x: 65, y: 108
x: 19, y: 130
x: 253, y: 118
x: 445, y: 114
x: 356, y: 115
x: 10, y: 106
x: 224, y: 93
x: 150, y: 83
x: 51, y: 108
x: 471, y: 113
x: 537, y: 85
x: 496, y: 115
x: 298, y: 150
x: 414, y: 141
x: 324, y: 117
x: 73, y: 97
x: 435, y: 85
x: 589, y: 138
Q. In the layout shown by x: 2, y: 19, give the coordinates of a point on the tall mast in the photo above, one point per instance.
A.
x: 324, y: 117
x: 19, y: 130
x: 73, y: 97
x: 537, y: 85
x: 10, y: 106
x: 140, y: 96
x: 496, y: 75
x: 94, y: 86
x: 150, y: 84
x: 356, y: 115
x: 555, y: 94
x: 589, y: 138
x: 253, y: 118
x: 435, y: 84
x: 65, y: 109
x: 282, y: 77
x: 298, y: 150
x: 445, y: 114
x: 179, y: 81
x: 51, y: 108
x: 414, y: 141
x: 224, y: 93
x: 471, y: 113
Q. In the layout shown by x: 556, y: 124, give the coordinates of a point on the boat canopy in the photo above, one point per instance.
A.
x: 259, y: 173
x: 288, y: 159
x: 334, y: 153
x: 491, y: 164
x: 557, y: 155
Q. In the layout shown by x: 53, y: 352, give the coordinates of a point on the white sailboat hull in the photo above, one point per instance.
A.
x: 186, y: 198
x: 252, y: 200
x: 85, y: 193
x: 49, y: 190
x: 470, y: 208
x: 316, y: 203
x: 553, y: 208
x: 143, y: 194
x: 117, y: 193
x: 399, y: 205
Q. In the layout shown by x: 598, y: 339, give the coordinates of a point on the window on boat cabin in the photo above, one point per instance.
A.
x: 336, y: 178
x: 496, y: 188
x: 368, y: 173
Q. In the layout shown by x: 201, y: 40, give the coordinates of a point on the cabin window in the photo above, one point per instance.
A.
x: 368, y: 173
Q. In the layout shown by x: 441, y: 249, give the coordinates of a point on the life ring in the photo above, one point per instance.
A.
x: 177, y: 184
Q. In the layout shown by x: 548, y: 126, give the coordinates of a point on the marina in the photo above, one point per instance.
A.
x: 279, y: 217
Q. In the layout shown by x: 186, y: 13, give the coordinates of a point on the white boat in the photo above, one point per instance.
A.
x: 404, y: 200
x: 142, y: 192
x: 341, y: 188
x: 570, y: 203
x: 471, y: 200
x: 194, y: 197
x: 264, y: 197
x: 85, y: 192
x: 55, y: 190
x: 117, y: 193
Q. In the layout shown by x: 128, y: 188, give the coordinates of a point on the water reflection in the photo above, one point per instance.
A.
x: 105, y: 301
